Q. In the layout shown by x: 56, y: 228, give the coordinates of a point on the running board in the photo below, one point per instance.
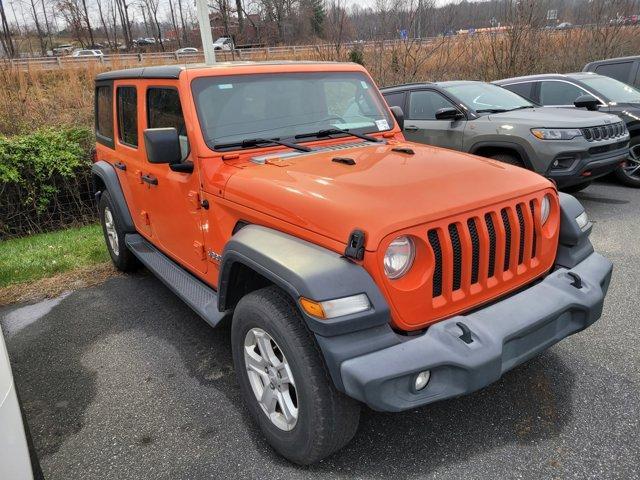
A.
x: 201, y: 298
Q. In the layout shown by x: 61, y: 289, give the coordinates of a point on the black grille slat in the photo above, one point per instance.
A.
x: 522, y: 233
x: 434, y: 240
x: 475, y: 250
x: 507, y: 239
x: 492, y: 244
x: 534, y: 235
x: 457, y: 256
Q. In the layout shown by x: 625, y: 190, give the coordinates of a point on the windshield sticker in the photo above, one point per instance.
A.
x: 364, y: 84
x: 225, y: 86
x: 382, y: 124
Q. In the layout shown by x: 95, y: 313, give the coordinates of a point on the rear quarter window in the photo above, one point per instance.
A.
x: 127, y: 98
x: 525, y: 90
x: 104, y: 115
x: 620, y: 71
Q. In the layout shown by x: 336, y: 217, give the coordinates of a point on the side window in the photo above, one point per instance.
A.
x: 424, y: 104
x: 104, y: 114
x: 559, y: 93
x: 619, y: 71
x: 127, y: 102
x: 395, y: 99
x: 522, y: 89
x: 164, y: 111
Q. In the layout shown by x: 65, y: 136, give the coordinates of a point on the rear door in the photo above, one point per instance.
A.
x: 421, y: 124
x: 559, y: 93
x: 173, y: 198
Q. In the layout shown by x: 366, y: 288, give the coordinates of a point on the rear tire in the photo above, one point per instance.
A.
x: 509, y: 158
x: 629, y: 174
x: 121, y: 256
x: 325, y: 419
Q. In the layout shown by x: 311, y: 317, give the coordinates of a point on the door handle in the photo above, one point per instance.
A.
x: 411, y: 128
x: 150, y: 179
x: 120, y: 166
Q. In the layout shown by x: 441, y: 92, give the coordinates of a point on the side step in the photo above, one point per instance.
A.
x: 201, y: 298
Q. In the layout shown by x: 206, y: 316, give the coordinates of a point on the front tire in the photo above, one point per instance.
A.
x: 629, y: 173
x: 122, y: 258
x: 284, y: 381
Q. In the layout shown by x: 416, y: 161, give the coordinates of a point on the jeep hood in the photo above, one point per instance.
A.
x: 548, y: 117
x: 383, y: 192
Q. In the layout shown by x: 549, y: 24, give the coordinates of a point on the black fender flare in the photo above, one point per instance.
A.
x: 109, y: 178
x: 508, y: 145
x: 303, y: 269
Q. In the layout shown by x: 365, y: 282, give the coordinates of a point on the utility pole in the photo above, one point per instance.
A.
x: 205, y: 32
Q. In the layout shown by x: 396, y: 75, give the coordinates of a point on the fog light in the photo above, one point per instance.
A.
x: 421, y: 380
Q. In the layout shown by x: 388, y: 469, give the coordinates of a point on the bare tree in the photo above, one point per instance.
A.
x: 88, y: 21
x: 174, y: 23
x: 36, y: 21
x: 152, y: 6
x: 6, y: 38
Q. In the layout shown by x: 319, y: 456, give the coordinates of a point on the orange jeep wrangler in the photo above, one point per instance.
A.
x: 355, y: 267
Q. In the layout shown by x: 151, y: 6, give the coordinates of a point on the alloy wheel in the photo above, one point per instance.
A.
x: 632, y: 166
x: 271, y: 379
x: 112, y: 234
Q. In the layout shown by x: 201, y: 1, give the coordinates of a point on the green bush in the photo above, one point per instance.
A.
x: 356, y: 56
x: 36, y: 161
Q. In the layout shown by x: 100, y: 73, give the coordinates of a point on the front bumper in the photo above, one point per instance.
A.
x: 504, y: 335
x: 589, y: 165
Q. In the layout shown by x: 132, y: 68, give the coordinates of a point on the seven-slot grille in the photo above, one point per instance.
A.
x: 506, y: 237
x: 604, y: 132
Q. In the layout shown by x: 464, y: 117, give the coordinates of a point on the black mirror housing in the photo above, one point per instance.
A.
x: 587, y: 101
x: 162, y: 145
x: 448, y: 113
x: 398, y: 114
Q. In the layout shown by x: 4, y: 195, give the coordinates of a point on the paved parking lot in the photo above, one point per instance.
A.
x: 123, y: 381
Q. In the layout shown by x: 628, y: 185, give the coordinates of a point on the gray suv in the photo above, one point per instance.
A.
x: 571, y: 147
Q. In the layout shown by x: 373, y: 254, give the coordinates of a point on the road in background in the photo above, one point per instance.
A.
x: 124, y: 381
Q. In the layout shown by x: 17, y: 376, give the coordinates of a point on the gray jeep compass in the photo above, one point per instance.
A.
x: 571, y: 147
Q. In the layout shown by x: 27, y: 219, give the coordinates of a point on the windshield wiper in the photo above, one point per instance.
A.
x: 333, y: 131
x: 522, y: 107
x: 254, y: 142
x: 492, y: 110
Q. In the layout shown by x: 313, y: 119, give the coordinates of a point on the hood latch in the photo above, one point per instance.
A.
x: 355, y: 245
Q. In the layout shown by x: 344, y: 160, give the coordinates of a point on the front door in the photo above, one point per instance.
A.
x: 421, y: 124
x: 174, y: 205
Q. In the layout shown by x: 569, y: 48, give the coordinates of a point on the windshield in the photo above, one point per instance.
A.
x: 614, y: 90
x: 485, y: 97
x: 241, y: 107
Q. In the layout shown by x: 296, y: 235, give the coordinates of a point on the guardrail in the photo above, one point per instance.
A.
x: 254, y: 53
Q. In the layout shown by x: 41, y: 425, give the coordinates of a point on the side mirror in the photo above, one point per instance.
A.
x: 162, y: 145
x: 587, y: 101
x: 448, y: 113
x: 398, y: 114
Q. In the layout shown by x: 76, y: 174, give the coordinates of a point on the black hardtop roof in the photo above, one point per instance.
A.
x: 173, y: 71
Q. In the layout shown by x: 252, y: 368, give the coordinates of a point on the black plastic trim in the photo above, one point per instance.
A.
x: 109, y: 178
x: 507, y: 145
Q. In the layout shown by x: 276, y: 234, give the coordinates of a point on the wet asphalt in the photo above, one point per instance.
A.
x: 123, y: 381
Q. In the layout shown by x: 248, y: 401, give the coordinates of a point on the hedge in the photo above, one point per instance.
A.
x: 45, y: 181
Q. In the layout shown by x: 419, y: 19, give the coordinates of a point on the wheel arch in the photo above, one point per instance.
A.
x: 257, y: 256
x: 105, y: 178
x: 485, y: 149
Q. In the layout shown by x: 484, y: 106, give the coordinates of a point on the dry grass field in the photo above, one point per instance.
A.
x: 36, y: 98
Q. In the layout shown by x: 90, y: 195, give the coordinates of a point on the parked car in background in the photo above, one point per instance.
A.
x: 489, y: 121
x: 61, y: 50
x: 17, y: 456
x: 186, y: 51
x: 223, y: 43
x: 88, y: 53
x: 594, y: 92
x: 625, y: 69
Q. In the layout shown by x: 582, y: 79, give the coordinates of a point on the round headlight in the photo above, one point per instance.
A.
x: 545, y: 209
x: 399, y: 257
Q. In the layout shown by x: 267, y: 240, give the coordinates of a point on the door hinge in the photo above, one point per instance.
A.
x: 145, y: 218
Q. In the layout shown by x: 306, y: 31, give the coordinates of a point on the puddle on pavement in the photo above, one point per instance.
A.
x: 22, y: 317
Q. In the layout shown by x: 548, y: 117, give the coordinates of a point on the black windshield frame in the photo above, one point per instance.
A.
x: 201, y: 83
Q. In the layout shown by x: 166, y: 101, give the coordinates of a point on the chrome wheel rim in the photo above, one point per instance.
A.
x: 271, y: 380
x: 110, y: 228
x: 631, y: 167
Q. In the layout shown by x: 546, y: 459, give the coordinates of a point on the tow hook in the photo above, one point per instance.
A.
x: 576, y: 280
x: 466, y: 333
